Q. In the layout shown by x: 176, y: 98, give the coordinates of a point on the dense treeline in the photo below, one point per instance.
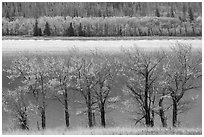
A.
x: 100, y: 26
x: 102, y: 19
x: 99, y: 9
x: 155, y: 83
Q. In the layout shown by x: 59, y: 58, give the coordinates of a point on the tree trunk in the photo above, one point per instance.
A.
x: 103, y: 120
x: 66, y: 108
x: 94, y: 119
x: 43, y: 117
x: 147, y: 117
x: 193, y: 29
x: 152, y: 33
x: 38, y: 127
x: 152, y: 119
x: 186, y: 31
x: 147, y: 110
x: 24, y: 122
x: 89, y: 110
x: 175, y: 110
x: 180, y: 31
x: 162, y: 114
x: 168, y: 31
x: 160, y: 31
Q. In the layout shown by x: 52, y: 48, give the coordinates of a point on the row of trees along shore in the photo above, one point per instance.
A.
x: 183, y: 20
x: 155, y: 83
x: 101, y: 27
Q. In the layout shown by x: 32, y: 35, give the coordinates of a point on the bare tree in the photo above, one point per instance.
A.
x: 84, y: 83
x: 62, y: 72
x: 105, y: 74
x: 142, y: 69
x: 162, y: 104
x: 33, y: 73
x: 183, y: 72
x: 15, y: 103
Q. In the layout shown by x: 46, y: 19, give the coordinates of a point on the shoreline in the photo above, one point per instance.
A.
x: 100, y: 38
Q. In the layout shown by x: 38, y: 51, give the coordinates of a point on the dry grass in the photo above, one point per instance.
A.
x: 111, y: 131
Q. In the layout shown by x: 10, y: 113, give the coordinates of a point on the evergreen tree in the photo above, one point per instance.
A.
x: 157, y: 12
x: 80, y: 31
x: 47, y: 29
x: 190, y: 13
x: 35, y: 30
x: 70, y: 31
x: 39, y: 32
x: 120, y: 32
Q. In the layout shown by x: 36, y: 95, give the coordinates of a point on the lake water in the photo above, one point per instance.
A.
x: 87, y: 45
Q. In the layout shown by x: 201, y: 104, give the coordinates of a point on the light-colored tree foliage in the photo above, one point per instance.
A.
x: 62, y: 72
x: 33, y: 73
x: 183, y: 72
x: 16, y: 103
x: 99, y: 26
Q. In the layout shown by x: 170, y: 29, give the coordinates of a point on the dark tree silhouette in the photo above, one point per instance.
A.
x: 70, y: 31
x: 80, y: 30
x: 142, y: 70
x: 47, y: 29
x: 36, y: 30
x: 39, y: 32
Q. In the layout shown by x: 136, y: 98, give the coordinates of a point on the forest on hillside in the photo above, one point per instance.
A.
x: 101, y: 19
x: 99, y: 9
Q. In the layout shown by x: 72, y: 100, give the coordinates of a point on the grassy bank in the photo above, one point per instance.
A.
x: 112, y: 131
x: 100, y: 38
